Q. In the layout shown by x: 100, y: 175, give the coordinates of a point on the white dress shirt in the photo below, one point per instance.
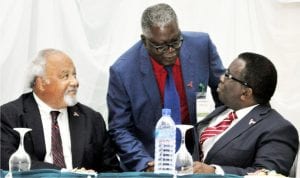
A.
x: 209, y: 142
x: 64, y: 129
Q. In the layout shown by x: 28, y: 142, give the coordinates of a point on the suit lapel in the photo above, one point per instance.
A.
x: 76, y: 124
x: 252, y: 118
x: 188, y: 74
x: 148, y: 82
x: 32, y: 117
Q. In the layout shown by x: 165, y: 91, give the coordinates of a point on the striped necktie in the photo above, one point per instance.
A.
x: 56, y: 144
x: 219, y: 128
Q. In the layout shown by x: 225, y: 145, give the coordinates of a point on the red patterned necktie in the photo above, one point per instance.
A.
x: 216, y: 130
x: 56, y: 145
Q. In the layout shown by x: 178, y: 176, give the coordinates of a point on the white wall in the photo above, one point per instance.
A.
x: 94, y: 33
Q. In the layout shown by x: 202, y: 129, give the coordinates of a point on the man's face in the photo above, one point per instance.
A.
x: 163, y: 43
x: 230, y: 88
x: 60, y: 83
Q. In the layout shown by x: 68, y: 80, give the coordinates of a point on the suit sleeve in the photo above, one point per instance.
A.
x: 276, y: 150
x: 121, y: 127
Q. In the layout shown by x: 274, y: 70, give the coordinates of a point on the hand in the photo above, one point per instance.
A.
x: 200, y: 167
x: 83, y: 170
x: 150, y: 167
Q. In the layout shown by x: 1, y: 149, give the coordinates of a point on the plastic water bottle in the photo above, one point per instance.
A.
x: 165, y: 143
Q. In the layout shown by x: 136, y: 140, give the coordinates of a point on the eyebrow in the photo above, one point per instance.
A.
x: 166, y: 42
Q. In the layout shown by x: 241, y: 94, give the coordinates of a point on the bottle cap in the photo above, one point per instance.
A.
x: 166, y: 112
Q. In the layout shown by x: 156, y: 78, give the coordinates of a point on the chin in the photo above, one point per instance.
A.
x: 70, y: 100
x: 169, y: 62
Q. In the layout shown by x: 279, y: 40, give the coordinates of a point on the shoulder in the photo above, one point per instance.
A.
x: 131, y: 55
x: 267, y: 112
x: 88, y: 118
x: 195, y: 36
x: 131, y: 62
x: 274, y: 126
x: 196, y: 39
x: 86, y: 109
x: 191, y: 34
x: 17, y: 105
x: 272, y: 120
x: 280, y: 119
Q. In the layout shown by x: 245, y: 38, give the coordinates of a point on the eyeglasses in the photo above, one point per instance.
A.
x: 228, y: 75
x: 163, y: 48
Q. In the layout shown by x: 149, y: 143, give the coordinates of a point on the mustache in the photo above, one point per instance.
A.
x: 75, y: 89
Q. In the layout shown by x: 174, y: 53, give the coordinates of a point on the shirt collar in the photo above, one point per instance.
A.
x: 239, y: 113
x: 158, y: 67
x: 244, y: 111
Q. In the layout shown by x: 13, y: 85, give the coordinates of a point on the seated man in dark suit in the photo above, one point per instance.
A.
x: 83, y: 141
x: 254, y: 136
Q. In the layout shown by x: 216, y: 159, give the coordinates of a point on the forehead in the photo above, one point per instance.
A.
x: 237, y: 66
x: 59, y: 62
x: 164, y: 33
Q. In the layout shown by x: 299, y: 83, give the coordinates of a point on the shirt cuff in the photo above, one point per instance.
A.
x: 218, y: 169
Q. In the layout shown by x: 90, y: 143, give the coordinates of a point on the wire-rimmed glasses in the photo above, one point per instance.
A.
x: 163, y: 48
x: 229, y: 75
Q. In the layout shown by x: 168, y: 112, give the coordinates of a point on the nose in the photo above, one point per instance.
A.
x: 74, y: 82
x: 222, y: 77
x: 171, y: 49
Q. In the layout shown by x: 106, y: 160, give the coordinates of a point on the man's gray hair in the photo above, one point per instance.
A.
x: 38, y: 65
x: 157, y: 15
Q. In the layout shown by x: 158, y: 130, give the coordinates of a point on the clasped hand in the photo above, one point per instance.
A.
x: 200, y: 167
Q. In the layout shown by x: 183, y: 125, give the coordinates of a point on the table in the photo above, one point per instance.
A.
x: 50, y: 173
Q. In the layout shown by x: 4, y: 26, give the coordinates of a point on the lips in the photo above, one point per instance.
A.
x: 73, y: 91
x: 170, y: 55
x: 170, y: 58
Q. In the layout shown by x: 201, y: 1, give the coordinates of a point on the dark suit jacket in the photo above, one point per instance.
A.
x: 262, y: 139
x: 91, y: 146
x: 134, y: 100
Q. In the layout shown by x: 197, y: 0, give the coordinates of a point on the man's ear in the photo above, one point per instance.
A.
x: 247, y: 93
x: 40, y: 83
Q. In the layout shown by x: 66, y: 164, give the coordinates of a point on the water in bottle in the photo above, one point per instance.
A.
x: 165, y: 143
